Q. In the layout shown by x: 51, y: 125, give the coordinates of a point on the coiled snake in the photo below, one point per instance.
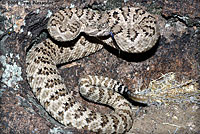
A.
x: 134, y: 31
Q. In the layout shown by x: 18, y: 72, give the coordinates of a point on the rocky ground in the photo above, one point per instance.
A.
x: 178, y: 50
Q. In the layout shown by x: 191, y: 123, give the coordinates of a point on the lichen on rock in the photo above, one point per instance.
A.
x: 11, y: 72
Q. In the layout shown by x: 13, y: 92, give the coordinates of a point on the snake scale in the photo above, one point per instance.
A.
x: 81, y: 33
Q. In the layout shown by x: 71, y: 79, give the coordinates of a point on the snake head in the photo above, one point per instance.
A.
x: 97, y: 30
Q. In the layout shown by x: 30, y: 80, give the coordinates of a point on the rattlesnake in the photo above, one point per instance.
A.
x: 84, y: 31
